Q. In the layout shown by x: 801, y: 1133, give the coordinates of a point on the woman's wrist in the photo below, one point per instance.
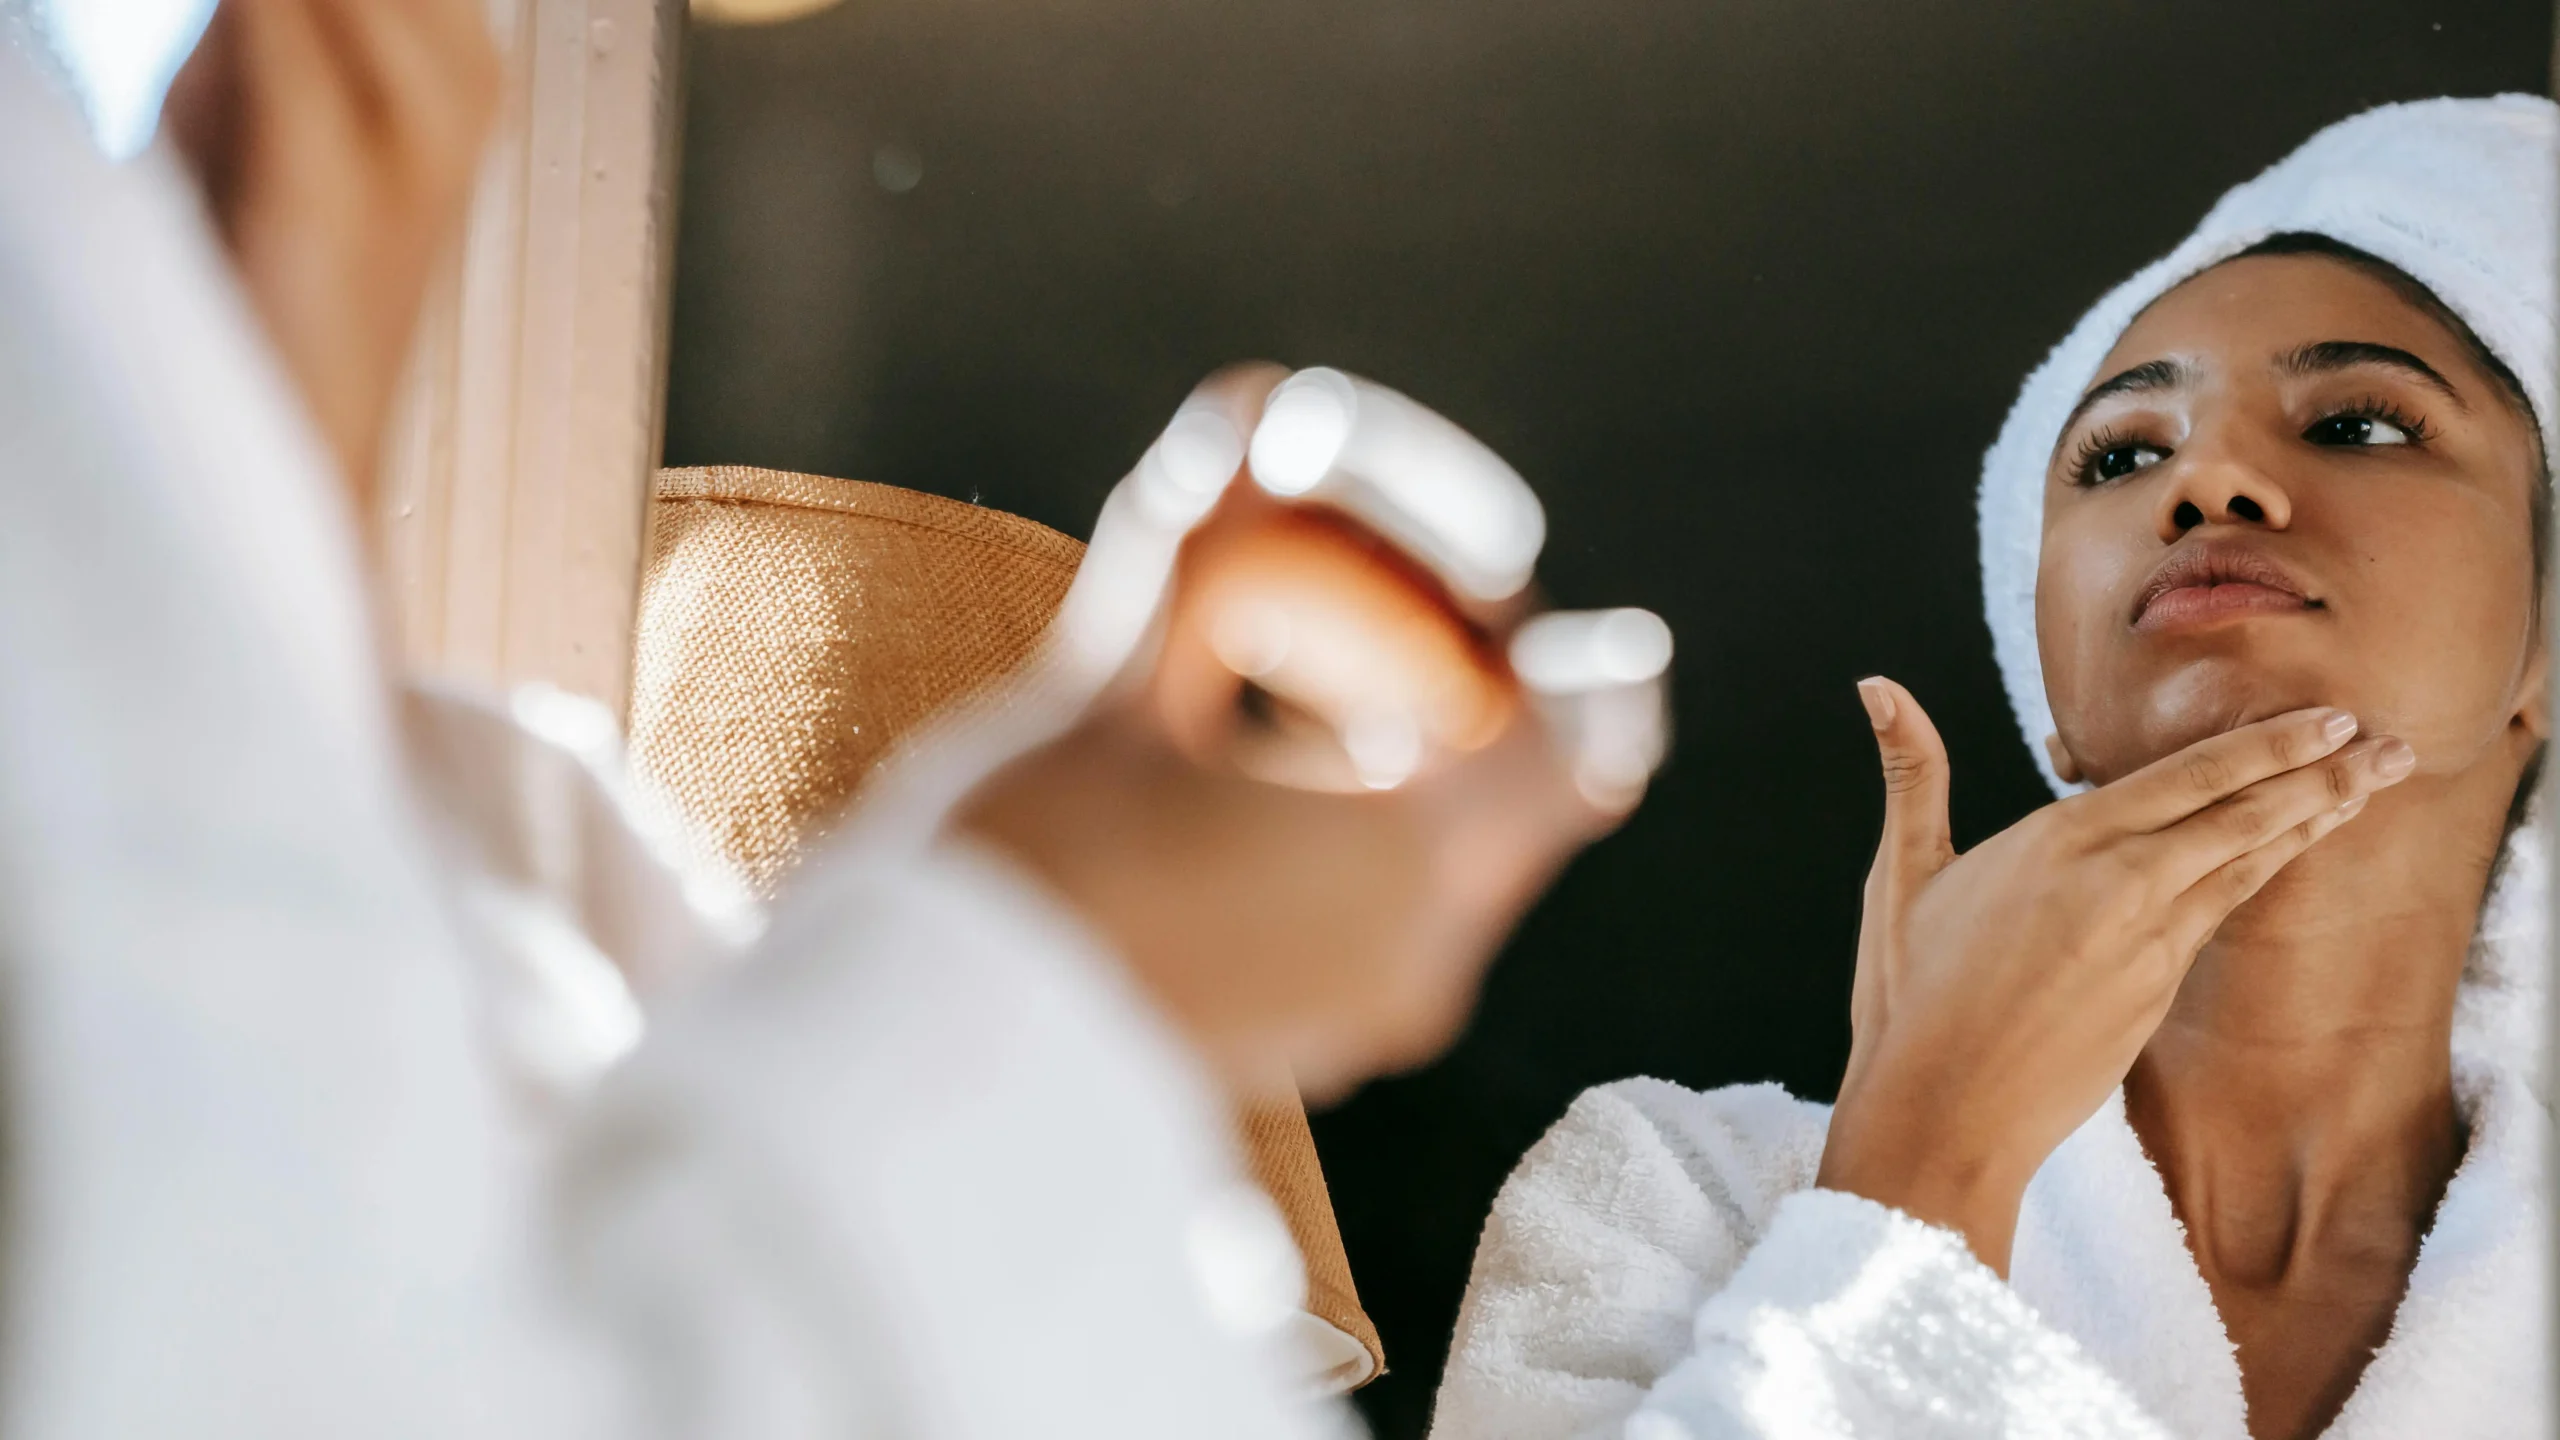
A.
x: 1922, y: 1170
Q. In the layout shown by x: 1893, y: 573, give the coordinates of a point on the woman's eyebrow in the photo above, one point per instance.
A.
x: 2161, y: 374
x: 2325, y: 357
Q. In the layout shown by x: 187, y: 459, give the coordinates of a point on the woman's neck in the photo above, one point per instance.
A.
x: 2282, y: 1164
x: 2298, y: 1097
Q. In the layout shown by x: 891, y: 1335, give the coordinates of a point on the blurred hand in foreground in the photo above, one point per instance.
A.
x: 1296, y: 916
x: 336, y: 142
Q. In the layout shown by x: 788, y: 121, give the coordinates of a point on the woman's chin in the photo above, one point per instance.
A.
x: 2197, y: 703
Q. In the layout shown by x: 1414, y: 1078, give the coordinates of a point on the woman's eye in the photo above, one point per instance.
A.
x: 2117, y: 461
x: 2357, y: 430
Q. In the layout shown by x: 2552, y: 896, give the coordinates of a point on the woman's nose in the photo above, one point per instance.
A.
x: 2221, y: 492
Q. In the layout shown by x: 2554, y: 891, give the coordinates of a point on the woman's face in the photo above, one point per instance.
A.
x: 2291, y: 486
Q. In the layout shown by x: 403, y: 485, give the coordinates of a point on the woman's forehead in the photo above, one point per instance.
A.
x: 2253, y: 311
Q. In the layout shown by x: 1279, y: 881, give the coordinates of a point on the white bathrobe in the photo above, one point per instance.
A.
x: 1665, y: 1249
x: 300, y: 988
x: 1661, y: 1266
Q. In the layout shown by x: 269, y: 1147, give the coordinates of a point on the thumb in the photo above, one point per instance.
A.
x: 1917, y: 843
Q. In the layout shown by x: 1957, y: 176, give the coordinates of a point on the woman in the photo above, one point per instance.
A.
x: 2228, y: 1066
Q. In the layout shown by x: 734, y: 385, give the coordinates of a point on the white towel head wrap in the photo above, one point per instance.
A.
x: 2460, y: 194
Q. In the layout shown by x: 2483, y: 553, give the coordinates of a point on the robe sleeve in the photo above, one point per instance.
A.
x: 1661, y: 1267
x: 927, y: 1165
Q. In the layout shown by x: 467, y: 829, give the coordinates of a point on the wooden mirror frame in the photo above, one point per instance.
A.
x: 515, y: 492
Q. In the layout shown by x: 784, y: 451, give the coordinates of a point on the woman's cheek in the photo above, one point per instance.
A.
x: 2430, y: 577
x: 2091, y: 681
x: 2451, y: 702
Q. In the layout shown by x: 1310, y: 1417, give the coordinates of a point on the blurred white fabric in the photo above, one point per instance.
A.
x: 255, y: 1188
x: 297, y: 1142
x: 116, y: 56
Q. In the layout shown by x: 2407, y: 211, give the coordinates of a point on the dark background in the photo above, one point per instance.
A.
x: 1742, y: 286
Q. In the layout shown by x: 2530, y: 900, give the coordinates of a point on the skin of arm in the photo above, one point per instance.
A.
x: 336, y: 142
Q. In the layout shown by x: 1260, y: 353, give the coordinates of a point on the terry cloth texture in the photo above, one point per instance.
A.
x: 794, y: 628
x: 1660, y: 1266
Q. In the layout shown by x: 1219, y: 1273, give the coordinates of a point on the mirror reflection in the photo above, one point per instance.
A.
x: 1746, y: 297
x: 1474, y: 721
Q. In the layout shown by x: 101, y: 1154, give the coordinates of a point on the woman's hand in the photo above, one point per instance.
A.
x: 1297, y: 914
x: 2001, y: 994
x: 336, y: 141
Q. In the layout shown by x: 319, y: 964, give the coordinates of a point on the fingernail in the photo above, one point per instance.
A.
x: 2338, y: 727
x: 2394, y: 759
x: 1878, y: 700
x: 2349, y: 810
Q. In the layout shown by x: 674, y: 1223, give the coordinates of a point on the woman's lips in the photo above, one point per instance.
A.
x: 2193, y: 605
x: 2209, y: 583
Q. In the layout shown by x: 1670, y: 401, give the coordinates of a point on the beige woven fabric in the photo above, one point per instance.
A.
x: 1283, y: 1152
x: 792, y: 628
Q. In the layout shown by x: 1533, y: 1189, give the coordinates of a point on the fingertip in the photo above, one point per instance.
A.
x: 1876, y: 693
x: 2393, y: 760
x: 2065, y: 768
x: 2328, y: 823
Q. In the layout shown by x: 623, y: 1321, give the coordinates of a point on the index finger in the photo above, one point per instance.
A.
x: 2213, y: 769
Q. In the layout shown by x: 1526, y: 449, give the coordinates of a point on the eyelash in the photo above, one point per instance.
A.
x: 2084, y: 459
x: 2374, y: 407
